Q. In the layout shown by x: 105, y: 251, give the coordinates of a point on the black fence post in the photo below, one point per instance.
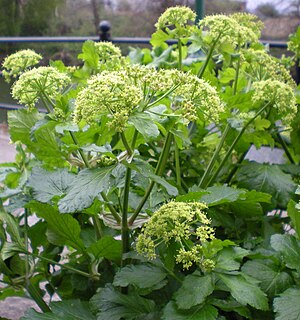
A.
x: 104, y: 28
x: 297, y: 76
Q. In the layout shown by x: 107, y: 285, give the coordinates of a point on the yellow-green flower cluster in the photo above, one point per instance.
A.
x: 198, y: 99
x: 44, y: 83
x: 261, y: 66
x: 178, y: 222
x: 177, y: 22
x: 294, y: 43
x: 280, y: 96
x: 15, y: 64
x: 237, y: 28
x: 250, y: 26
x: 108, y: 93
x: 109, y: 54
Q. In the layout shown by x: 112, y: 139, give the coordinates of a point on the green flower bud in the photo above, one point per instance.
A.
x: 17, y: 63
x: 39, y: 83
x: 177, y: 222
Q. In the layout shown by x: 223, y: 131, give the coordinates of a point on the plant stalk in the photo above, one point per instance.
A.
x: 125, y: 229
x: 63, y: 266
x: 179, y: 54
x: 214, y: 158
x: 177, y: 165
x: 236, y: 140
x: 209, y: 55
x: 285, y: 148
x: 159, y: 171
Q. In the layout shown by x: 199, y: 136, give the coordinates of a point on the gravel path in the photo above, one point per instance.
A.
x: 7, y: 150
x: 13, y: 308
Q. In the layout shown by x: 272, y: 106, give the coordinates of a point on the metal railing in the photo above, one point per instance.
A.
x: 104, y: 35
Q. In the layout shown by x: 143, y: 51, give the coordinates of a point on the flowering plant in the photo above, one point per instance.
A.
x: 134, y: 172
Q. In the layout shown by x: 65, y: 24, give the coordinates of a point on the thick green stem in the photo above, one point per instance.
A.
x: 236, y: 140
x: 214, y: 157
x: 63, y: 266
x: 209, y: 56
x: 36, y: 296
x: 237, y: 71
x: 235, y: 168
x: 45, y: 104
x: 26, y: 247
x: 285, y: 148
x: 179, y: 54
x: 125, y: 229
x: 126, y: 144
x: 159, y: 171
x: 163, y: 96
x: 82, y: 154
x: 177, y: 165
x: 97, y: 227
x: 111, y: 208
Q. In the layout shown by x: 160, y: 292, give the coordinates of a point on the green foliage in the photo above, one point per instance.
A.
x: 195, y: 288
x: 286, y: 305
x: 70, y: 309
x: 131, y: 198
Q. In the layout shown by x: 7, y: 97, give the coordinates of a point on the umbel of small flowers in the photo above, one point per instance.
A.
x: 238, y: 28
x: 15, y: 64
x: 279, y: 95
x: 259, y: 65
x: 177, y: 22
x: 118, y: 94
x: 181, y: 223
x: 43, y: 83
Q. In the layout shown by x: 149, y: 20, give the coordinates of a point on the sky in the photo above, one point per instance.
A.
x: 252, y: 4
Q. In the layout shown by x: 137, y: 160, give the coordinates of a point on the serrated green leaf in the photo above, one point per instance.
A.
x: 194, y: 290
x: 158, y: 38
x: 269, y: 179
x: 232, y: 306
x: 89, y: 54
x: 48, y: 184
x: 107, y: 247
x: 111, y: 304
x: 294, y: 214
x: 66, y: 310
x: 221, y: 194
x: 227, y: 75
x: 206, y: 312
x: 142, y: 276
x: 289, y: 247
x: 145, y: 125
x: 87, y: 185
x: 192, y: 196
x: 147, y: 171
x: 63, y: 229
x: 12, y: 227
x: 272, y: 280
x: 245, y: 292
x: 287, y: 306
x: 230, y: 258
x: 261, y: 124
x: 20, y: 123
x: 60, y: 128
x: 162, y: 59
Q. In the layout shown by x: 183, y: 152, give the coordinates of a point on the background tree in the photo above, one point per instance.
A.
x: 267, y: 10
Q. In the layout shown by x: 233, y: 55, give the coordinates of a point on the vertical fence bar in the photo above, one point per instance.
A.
x: 199, y: 9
